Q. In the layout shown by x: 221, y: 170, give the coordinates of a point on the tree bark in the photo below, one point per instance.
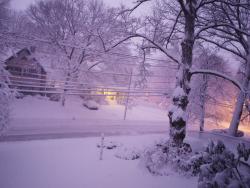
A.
x: 203, y: 102
x: 177, y: 113
x: 234, y: 125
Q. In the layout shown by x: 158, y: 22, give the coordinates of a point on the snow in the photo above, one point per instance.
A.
x: 179, y: 114
x: 219, y: 74
x: 178, y: 92
x: 39, y: 116
x: 40, y: 107
x: 75, y: 163
x: 90, y: 104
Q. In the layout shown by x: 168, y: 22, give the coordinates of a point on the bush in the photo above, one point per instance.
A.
x: 221, y: 168
x: 109, y: 145
x: 217, y: 167
x: 55, y: 97
x: 165, y: 155
x: 127, y: 153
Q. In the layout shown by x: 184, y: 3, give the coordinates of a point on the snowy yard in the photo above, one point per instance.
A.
x: 40, y: 107
x: 75, y: 163
x: 124, y: 94
x: 38, y: 115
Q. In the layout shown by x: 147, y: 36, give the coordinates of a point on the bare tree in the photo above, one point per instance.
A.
x: 3, y: 12
x: 4, y: 18
x: 229, y: 22
x: 177, y: 21
x: 74, y: 26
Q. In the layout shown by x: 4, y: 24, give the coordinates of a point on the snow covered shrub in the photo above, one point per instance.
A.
x: 155, y: 160
x: 164, y: 155
x: 55, y: 97
x: 109, y: 145
x: 19, y: 95
x: 243, y: 152
x: 221, y: 168
x: 128, y: 153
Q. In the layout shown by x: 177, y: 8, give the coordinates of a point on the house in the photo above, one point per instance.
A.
x: 26, y: 73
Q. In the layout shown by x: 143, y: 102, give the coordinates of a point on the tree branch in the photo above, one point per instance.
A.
x: 136, y: 35
x: 218, y: 74
x: 139, y: 2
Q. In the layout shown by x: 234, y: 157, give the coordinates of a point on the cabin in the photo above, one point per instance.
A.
x: 27, y: 75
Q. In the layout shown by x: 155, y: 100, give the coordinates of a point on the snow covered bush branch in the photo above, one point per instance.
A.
x: 221, y: 168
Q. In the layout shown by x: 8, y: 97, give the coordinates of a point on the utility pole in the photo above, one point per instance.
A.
x: 127, y: 100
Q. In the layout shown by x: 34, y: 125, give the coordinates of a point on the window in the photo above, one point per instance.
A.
x: 24, y: 58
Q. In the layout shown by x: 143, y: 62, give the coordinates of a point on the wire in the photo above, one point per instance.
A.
x: 43, y: 80
x: 86, y: 94
x: 93, y: 72
x: 86, y: 89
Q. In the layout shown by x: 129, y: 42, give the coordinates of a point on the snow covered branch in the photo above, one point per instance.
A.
x: 218, y: 74
x: 138, y: 3
x: 137, y: 35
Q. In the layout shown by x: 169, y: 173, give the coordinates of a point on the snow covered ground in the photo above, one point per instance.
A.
x: 75, y: 163
x: 52, y: 163
x: 40, y: 107
x: 64, y: 163
x: 38, y: 115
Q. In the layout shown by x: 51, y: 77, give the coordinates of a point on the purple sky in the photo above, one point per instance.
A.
x: 22, y: 4
x: 145, y: 9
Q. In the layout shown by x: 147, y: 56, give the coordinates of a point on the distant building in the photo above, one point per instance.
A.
x: 26, y: 73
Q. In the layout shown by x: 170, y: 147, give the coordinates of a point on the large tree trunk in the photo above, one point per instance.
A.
x: 241, y: 98
x: 177, y: 113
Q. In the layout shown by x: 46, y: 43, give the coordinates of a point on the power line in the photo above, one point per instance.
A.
x: 85, y: 94
x: 86, y: 89
x: 96, y: 72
